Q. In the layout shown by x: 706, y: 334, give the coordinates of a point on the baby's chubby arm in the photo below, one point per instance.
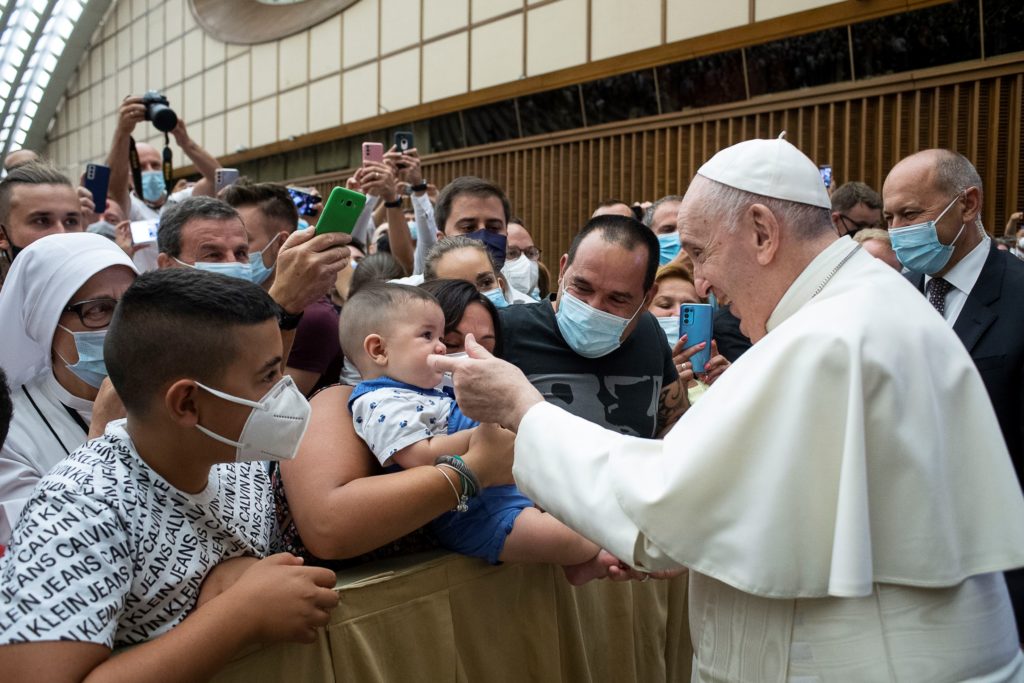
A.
x: 426, y: 451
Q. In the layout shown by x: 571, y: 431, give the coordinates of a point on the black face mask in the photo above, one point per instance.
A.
x: 15, y: 250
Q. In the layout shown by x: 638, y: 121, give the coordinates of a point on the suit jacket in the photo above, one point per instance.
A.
x: 991, y: 326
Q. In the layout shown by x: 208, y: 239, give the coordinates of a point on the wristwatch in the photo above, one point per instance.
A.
x: 288, y: 321
x: 421, y: 187
x: 397, y: 203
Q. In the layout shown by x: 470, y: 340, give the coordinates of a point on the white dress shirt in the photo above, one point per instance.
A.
x: 962, y: 276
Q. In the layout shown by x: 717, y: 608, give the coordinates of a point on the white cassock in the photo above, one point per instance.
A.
x: 842, y: 495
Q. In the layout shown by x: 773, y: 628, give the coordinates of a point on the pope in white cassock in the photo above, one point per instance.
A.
x: 842, y: 495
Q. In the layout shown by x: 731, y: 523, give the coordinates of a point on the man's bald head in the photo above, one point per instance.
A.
x: 944, y: 170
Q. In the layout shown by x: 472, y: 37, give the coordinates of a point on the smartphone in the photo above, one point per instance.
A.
x: 695, y: 321
x: 144, y: 232
x: 826, y: 174
x: 403, y: 141
x: 304, y: 202
x: 341, y: 211
x: 224, y: 177
x: 97, y: 181
x: 373, y: 151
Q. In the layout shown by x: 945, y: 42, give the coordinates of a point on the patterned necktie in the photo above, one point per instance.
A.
x: 937, y: 290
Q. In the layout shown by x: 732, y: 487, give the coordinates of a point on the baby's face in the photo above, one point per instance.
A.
x: 412, y: 338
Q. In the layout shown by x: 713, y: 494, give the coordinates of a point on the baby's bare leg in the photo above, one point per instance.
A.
x: 538, y: 537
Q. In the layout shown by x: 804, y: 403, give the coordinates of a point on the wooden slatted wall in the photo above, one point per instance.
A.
x: 555, y: 181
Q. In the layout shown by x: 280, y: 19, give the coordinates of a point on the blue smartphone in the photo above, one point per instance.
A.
x: 97, y: 181
x: 695, y: 321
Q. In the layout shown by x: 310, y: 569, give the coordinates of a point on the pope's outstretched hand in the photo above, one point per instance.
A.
x: 486, y: 388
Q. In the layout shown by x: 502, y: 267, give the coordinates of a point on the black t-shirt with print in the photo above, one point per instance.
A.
x: 619, y: 391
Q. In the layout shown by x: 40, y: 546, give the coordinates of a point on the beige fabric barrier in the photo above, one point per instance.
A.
x: 444, y: 617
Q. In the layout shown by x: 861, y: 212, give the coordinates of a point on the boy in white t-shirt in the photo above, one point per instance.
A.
x: 151, y: 534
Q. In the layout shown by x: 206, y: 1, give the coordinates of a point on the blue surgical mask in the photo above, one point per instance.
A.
x: 303, y: 224
x: 918, y: 247
x: 669, y: 243
x: 90, y: 367
x: 257, y: 269
x: 495, y: 243
x: 153, y: 185
x: 671, y: 326
x: 241, y: 271
x: 497, y: 297
x: 590, y: 332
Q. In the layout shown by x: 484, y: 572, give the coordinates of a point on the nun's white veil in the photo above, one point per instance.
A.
x: 38, y: 287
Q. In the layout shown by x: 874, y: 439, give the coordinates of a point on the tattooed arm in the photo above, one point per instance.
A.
x: 672, y: 403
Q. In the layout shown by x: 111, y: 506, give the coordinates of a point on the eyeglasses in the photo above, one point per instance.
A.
x: 857, y: 226
x: 95, y: 314
x: 512, y: 253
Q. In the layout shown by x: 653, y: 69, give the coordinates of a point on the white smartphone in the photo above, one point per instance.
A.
x: 224, y: 177
x: 144, y: 232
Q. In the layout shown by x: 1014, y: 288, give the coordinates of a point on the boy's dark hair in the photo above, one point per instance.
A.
x: 473, y: 186
x: 455, y: 296
x: 27, y: 173
x: 6, y: 407
x: 372, y: 310
x: 378, y: 267
x: 627, y: 232
x: 848, y: 195
x: 174, y: 219
x: 271, y: 199
x: 177, y: 323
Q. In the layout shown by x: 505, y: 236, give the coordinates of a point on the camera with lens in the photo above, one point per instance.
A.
x: 158, y: 111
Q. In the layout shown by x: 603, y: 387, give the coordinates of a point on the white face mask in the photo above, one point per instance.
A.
x: 275, y: 427
x: 521, y: 274
x: 1020, y: 243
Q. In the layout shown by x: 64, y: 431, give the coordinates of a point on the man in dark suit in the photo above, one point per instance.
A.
x: 977, y: 288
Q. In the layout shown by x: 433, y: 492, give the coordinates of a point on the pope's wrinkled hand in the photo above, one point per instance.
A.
x: 486, y: 388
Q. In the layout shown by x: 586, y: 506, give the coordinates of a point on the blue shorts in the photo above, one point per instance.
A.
x: 482, y: 529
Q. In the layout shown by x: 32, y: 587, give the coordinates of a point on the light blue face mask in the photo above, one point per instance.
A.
x: 90, y: 367
x: 590, y: 332
x: 242, y: 271
x: 257, y: 269
x: 918, y: 247
x: 671, y: 326
x: 153, y: 185
x: 497, y: 297
x: 670, y: 247
x: 303, y: 224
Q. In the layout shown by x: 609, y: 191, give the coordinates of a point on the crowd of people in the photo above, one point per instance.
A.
x: 195, y: 430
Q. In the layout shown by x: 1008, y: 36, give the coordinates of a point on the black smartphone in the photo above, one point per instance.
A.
x: 403, y: 141
x: 97, y: 181
x: 304, y: 202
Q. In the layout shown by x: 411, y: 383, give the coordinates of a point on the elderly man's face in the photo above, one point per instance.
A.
x: 724, y: 261
x: 608, y: 277
x: 910, y: 196
x: 214, y: 241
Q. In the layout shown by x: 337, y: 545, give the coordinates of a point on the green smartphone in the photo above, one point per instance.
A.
x: 341, y: 211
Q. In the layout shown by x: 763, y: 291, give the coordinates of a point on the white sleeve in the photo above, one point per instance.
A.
x: 562, y: 462
x: 364, y: 224
x: 18, y: 477
x: 388, y: 422
x: 67, y: 573
x: 426, y: 230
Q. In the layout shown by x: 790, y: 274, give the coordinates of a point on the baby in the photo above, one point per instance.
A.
x: 388, y: 331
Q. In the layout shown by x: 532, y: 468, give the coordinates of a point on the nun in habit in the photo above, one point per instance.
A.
x: 55, y: 307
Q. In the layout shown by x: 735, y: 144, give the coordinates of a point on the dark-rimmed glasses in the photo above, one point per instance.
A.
x: 95, y: 314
